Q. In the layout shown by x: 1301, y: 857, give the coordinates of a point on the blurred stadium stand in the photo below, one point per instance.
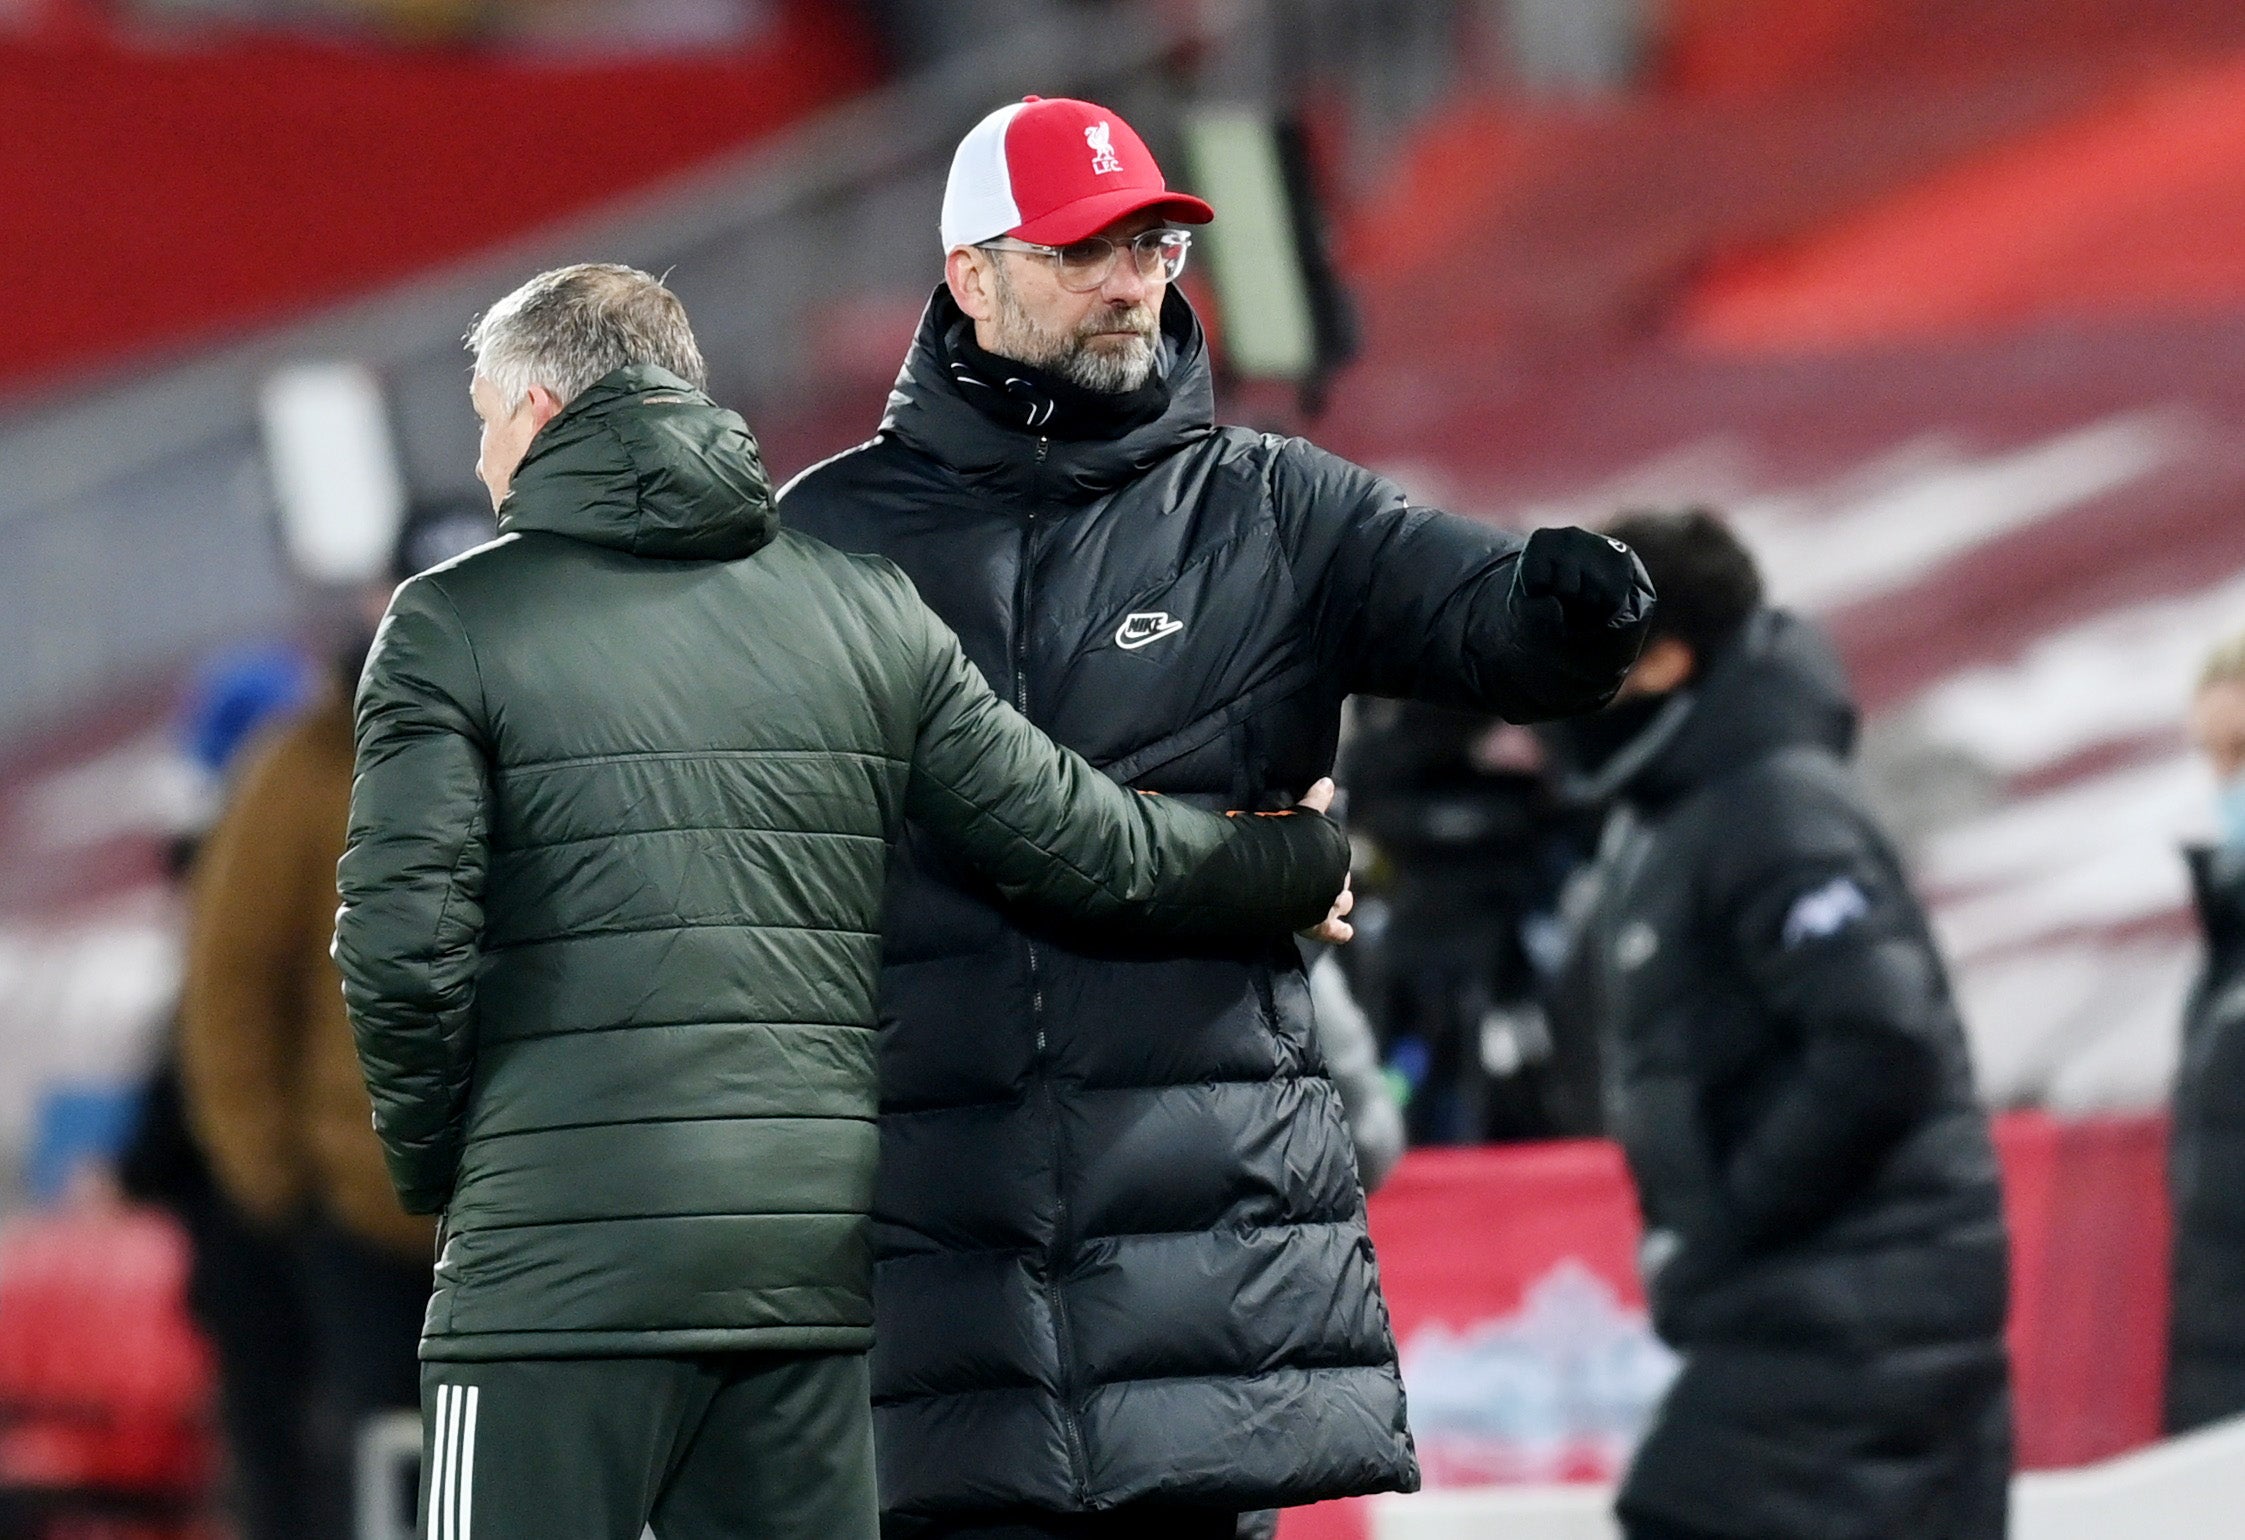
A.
x: 103, y: 1378
x: 805, y: 262
x: 168, y: 195
x: 2015, y: 505
x: 1944, y: 298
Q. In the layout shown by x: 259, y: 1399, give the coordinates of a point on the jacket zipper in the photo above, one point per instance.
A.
x: 1055, y: 1297
x: 1054, y: 1300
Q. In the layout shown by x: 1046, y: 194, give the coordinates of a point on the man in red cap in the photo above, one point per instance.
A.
x: 1124, y: 1283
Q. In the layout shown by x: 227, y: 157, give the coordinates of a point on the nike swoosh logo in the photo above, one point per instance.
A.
x: 1139, y: 630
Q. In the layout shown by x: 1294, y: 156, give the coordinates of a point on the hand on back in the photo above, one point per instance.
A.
x: 1335, y: 928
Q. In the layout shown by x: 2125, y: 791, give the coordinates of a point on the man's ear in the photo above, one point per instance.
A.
x: 966, y: 272
x: 543, y: 405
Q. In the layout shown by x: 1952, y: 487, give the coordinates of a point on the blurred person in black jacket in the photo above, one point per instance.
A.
x: 244, y: 1296
x: 1786, y: 1073
x: 2206, y: 1165
x: 1473, y: 855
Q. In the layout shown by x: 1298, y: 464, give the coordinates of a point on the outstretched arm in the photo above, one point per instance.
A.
x: 1050, y: 830
x: 412, y: 880
x: 1423, y: 605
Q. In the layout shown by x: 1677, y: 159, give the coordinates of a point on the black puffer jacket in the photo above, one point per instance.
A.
x: 1787, y: 1074
x: 2206, y: 1358
x: 1122, y: 1246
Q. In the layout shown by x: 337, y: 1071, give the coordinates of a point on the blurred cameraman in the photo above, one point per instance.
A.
x: 1786, y: 1073
x: 1471, y: 859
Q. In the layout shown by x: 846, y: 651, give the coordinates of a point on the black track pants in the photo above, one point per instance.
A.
x: 747, y: 1446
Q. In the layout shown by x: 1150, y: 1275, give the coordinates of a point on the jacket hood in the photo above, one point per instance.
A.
x: 644, y: 463
x: 1778, y: 686
x: 929, y: 412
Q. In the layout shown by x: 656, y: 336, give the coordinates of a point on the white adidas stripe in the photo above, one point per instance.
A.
x: 452, y: 1470
x: 440, y: 1507
x: 468, y: 1464
x: 436, y: 1461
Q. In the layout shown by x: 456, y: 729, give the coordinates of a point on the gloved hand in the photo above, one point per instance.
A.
x: 1572, y: 585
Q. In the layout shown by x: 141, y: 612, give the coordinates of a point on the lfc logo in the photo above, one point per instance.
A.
x: 1103, y: 159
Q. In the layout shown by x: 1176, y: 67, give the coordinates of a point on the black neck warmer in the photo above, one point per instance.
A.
x: 1599, y: 755
x: 1033, y: 400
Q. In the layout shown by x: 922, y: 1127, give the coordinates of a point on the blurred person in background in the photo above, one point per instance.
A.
x: 629, y: 781
x: 1160, y: 1307
x: 272, y: 1090
x: 1472, y: 858
x: 243, y: 1287
x: 2206, y: 1346
x: 1786, y: 1074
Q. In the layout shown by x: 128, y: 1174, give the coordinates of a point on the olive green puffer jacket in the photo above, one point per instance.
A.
x: 627, y: 783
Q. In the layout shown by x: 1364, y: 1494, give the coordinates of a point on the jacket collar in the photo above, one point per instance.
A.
x: 929, y: 411
x: 1778, y: 685
x: 642, y: 462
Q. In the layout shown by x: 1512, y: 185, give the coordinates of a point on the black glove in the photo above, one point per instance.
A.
x: 1573, y: 585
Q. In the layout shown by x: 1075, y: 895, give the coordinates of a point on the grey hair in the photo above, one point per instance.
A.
x: 567, y: 328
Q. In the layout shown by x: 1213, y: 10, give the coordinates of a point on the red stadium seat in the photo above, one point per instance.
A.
x: 104, y: 1383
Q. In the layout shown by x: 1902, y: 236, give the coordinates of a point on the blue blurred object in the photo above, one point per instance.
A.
x: 238, y: 691
x: 75, y: 1125
x: 1410, y: 1061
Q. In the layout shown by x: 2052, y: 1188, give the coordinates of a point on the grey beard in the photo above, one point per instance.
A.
x: 1111, y: 371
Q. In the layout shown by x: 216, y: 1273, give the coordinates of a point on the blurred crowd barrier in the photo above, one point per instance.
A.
x: 1511, y: 1278
x: 2185, y: 1489
x: 1510, y: 1275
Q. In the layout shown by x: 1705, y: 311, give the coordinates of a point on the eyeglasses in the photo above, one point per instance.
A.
x: 1084, y: 265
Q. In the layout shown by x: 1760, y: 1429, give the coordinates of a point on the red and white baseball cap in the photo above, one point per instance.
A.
x: 1054, y: 171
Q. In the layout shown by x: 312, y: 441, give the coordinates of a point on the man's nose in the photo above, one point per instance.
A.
x: 1125, y: 285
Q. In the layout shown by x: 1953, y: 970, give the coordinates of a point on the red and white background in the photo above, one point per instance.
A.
x: 1952, y: 321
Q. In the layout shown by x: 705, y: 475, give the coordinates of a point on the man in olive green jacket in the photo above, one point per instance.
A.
x: 627, y: 782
